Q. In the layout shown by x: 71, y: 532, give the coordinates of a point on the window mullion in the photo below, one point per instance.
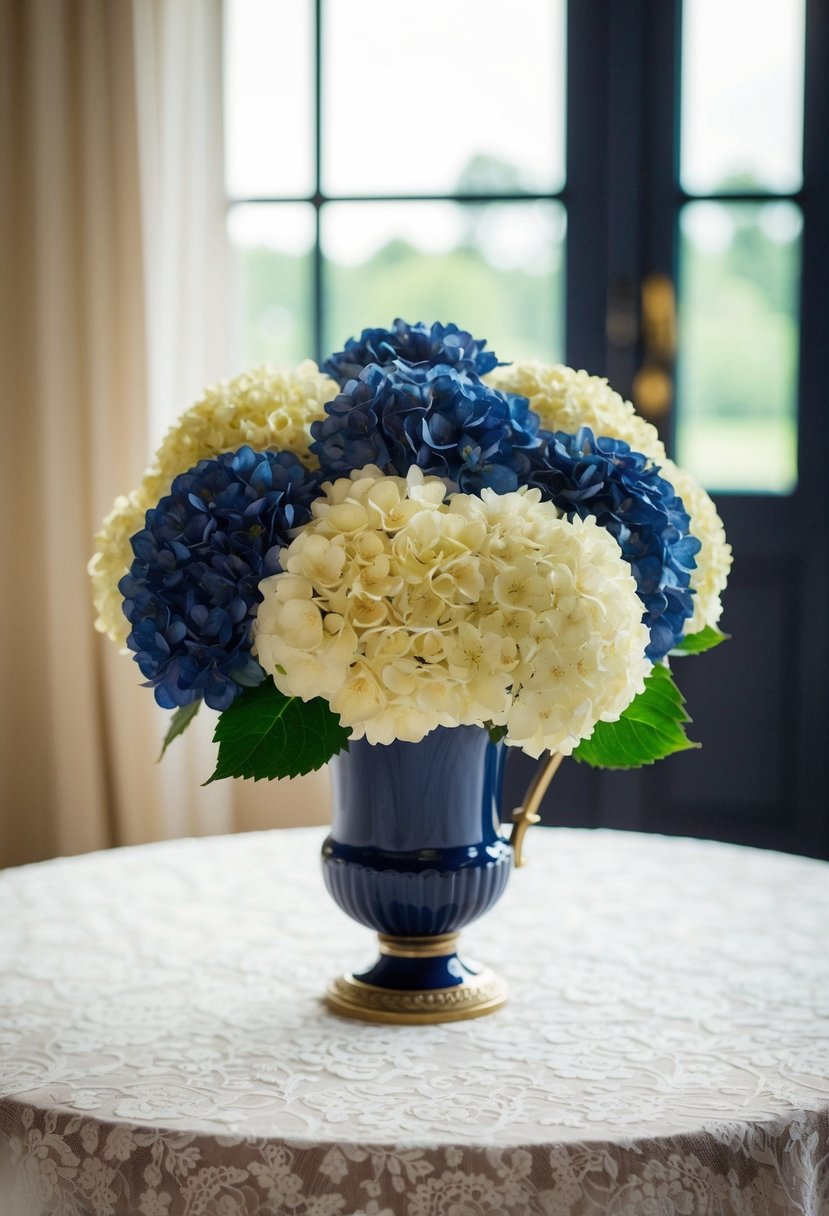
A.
x: 318, y: 270
x: 587, y: 210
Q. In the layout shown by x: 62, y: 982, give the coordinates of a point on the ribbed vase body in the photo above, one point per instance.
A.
x: 415, y: 846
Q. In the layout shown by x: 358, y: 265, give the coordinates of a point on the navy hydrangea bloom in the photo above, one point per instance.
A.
x: 419, y: 344
x: 584, y: 475
x: 193, y: 588
x: 432, y: 417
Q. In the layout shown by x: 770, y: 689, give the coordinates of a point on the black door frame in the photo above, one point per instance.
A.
x: 623, y: 201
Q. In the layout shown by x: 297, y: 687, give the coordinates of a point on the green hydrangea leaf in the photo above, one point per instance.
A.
x: 698, y: 643
x: 265, y: 734
x: 651, y: 728
x: 179, y: 722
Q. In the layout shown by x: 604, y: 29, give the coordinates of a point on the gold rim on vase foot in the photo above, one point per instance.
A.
x: 474, y: 998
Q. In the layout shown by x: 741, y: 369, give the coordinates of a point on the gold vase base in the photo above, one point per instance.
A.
x: 477, y: 996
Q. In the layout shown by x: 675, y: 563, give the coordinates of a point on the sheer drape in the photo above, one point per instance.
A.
x: 178, y: 101
x: 112, y: 317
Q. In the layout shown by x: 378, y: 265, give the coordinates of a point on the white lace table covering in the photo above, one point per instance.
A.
x: 164, y: 1050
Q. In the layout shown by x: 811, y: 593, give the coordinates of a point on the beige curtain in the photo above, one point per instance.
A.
x: 112, y: 317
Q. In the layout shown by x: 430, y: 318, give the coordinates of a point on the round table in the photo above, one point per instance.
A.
x: 164, y: 1050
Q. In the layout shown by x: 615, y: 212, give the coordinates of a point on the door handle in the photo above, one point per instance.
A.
x: 653, y: 386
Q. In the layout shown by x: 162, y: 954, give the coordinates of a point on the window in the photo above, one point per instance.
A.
x: 741, y: 173
x: 366, y: 181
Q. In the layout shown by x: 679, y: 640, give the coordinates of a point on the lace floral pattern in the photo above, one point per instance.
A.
x: 67, y: 1165
x: 163, y: 1050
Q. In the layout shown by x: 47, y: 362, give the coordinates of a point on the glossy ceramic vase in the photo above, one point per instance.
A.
x: 416, y: 852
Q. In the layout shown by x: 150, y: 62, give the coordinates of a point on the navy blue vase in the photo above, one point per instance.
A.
x: 416, y: 853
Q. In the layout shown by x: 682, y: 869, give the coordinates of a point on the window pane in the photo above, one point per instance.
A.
x: 742, y: 95
x: 495, y: 269
x: 269, y: 95
x: 465, y: 97
x: 738, y: 344
x: 271, y: 246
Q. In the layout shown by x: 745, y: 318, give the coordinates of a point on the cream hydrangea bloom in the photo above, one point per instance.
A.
x: 565, y: 399
x: 709, y: 579
x: 406, y: 612
x: 109, y: 564
x: 268, y: 407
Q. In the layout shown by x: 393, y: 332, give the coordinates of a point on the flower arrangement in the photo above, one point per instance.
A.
x: 415, y: 535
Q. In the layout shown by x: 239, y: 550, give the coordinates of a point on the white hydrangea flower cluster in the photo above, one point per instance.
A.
x: 565, y: 399
x: 406, y: 613
x: 268, y: 407
x: 710, y: 577
x: 110, y: 563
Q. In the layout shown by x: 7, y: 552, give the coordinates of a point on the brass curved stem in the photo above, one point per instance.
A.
x: 527, y: 813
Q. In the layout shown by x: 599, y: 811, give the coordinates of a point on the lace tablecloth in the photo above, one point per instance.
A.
x: 164, y: 1050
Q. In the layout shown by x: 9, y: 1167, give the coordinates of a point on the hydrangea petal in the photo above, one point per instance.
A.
x: 489, y: 608
x: 192, y: 591
x: 623, y: 491
x: 566, y: 399
x: 264, y: 408
x: 430, y: 417
x: 422, y: 345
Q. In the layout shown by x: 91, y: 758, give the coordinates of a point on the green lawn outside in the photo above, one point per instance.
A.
x: 739, y: 454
